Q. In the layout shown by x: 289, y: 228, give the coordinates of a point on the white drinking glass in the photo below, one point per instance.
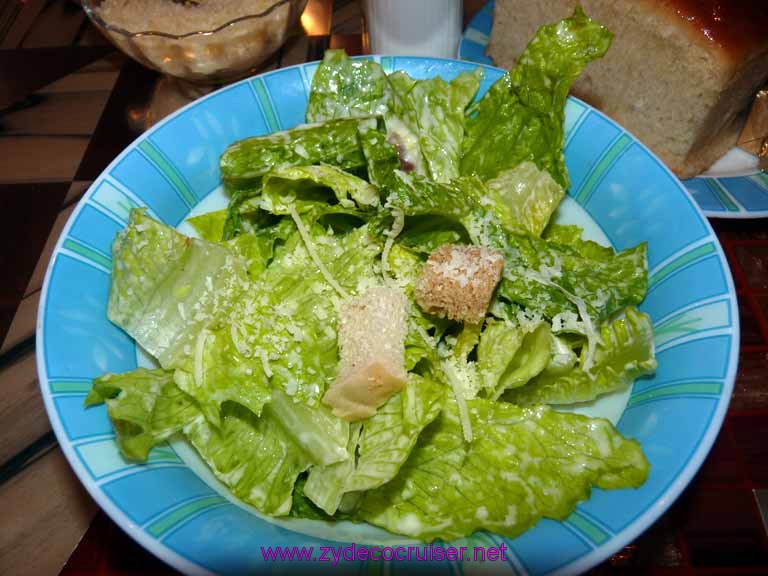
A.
x: 413, y: 27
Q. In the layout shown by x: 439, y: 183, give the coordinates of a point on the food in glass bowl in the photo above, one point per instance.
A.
x: 207, y: 41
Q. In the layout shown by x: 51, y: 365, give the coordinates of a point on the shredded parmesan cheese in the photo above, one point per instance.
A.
x: 199, y: 373
x: 461, y: 402
x: 397, y: 227
x: 589, y: 328
x: 313, y: 254
x: 592, y: 336
x: 450, y: 374
x: 235, y: 334
x: 265, y: 362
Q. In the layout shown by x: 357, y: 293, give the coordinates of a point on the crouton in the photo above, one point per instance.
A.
x: 372, y: 329
x: 457, y: 282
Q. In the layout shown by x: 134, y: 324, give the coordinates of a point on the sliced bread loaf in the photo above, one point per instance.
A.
x: 680, y: 74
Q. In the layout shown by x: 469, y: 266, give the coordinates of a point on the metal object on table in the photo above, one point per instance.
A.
x: 754, y: 136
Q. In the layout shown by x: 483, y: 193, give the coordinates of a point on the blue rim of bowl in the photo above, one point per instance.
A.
x: 731, y: 197
x: 600, y: 553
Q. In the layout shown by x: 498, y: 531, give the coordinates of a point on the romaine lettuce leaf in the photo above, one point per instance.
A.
x: 222, y: 373
x: 145, y: 407
x: 522, y: 115
x: 458, y: 200
x: 343, y: 88
x: 166, y: 288
x: 439, y: 113
x: 306, y: 188
x: 254, y: 457
x: 303, y: 507
x: 210, y: 226
x: 539, y: 275
x: 524, y: 198
x: 524, y: 464
x: 424, y: 118
x: 424, y: 234
x: 235, y: 224
x: 500, y: 341
x: 466, y: 341
x: 297, y: 314
x: 326, y: 485
x: 404, y: 267
x: 563, y: 357
x: 380, y: 155
x: 258, y: 248
x: 384, y: 444
x: 389, y: 435
x: 334, y: 142
x: 402, y: 124
x: 314, y: 428
x: 571, y: 235
x: 625, y: 352
x: 509, y: 356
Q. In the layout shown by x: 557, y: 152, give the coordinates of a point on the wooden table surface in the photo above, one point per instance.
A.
x: 69, y: 102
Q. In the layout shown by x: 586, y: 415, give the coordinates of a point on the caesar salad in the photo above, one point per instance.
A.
x: 383, y: 324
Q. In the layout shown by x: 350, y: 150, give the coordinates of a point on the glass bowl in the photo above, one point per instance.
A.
x: 227, y: 52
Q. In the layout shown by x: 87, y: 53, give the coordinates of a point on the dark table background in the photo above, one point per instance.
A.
x: 69, y: 102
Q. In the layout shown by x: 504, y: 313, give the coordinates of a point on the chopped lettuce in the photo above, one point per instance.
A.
x: 522, y: 115
x: 625, y: 352
x: 424, y: 119
x: 508, y: 356
x: 210, y: 226
x: 343, y: 87
x: 222, y: 373
x: 305, y: 188
x: 145, y: 407
x: 438, y: 108
x: 333, y: 142
x: 376, y: 454
x: 254, y: 457
x: 166, y: 288
x: 523, y: 464
x: 524, y: 198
